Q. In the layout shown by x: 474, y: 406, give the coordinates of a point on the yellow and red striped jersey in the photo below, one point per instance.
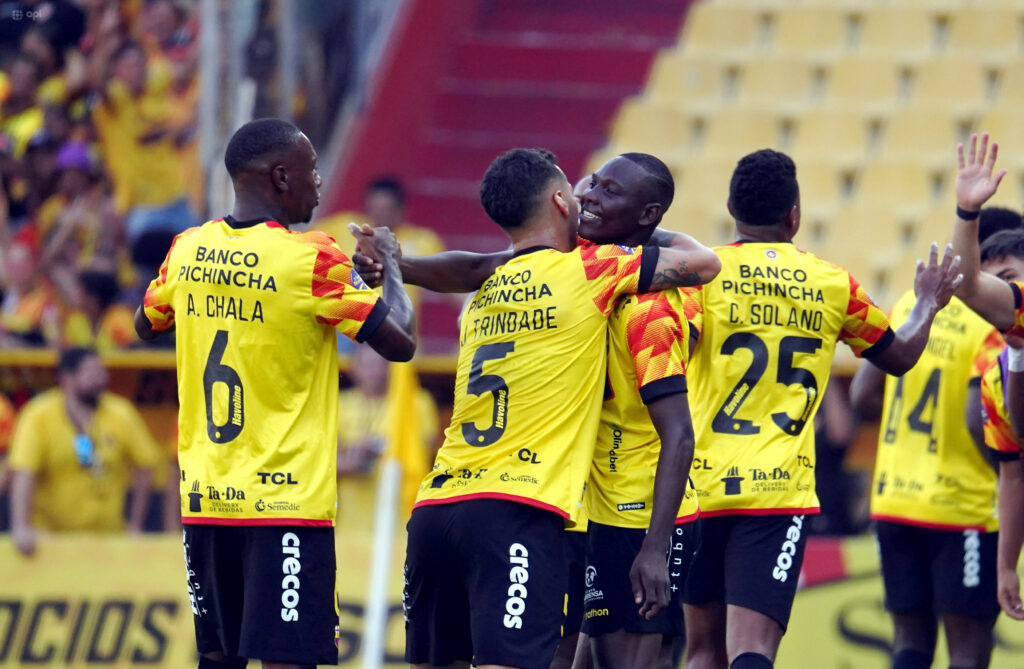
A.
x: 999, y: 433
x: 771, y: 322
x: 255, y: 307
x: 648, y: 349
x: 530, y: 377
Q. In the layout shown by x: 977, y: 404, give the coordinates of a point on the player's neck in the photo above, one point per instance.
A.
x: 763, y: 233
x: 534, y: 233
x: 251, y: 209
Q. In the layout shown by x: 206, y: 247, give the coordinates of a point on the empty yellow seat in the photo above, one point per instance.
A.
x: 711, y: 27
x: 1011, y: 83
x: 906, y: 189
x: 662, y: 130
x: 990, y: 33
x: 958, y: 84
x: 687, y: 81
x: 925, y: 135
x: 776, y: 82
x: 865, y: 84
x: 734, y: 132
x: 812, y: 32
x: 906, y: 33
x: 841, y: 136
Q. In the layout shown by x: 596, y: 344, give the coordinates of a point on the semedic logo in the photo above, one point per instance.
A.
x: 290, y: 566
x: 519, y: 574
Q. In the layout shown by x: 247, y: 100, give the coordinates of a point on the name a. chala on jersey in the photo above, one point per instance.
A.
x: 226, y: 267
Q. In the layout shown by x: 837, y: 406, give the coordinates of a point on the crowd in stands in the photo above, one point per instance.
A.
x: 98, y: 162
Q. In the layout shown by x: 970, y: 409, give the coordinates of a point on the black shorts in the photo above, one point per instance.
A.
x: 576, y: 547
x: 264, y: 593
x: 748, y: 561
x: 938, y: 571
x: 484, y: 583
x: 608, y: 599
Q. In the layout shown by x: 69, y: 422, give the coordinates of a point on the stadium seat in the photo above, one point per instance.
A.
x: 704, y: 185
x: 906, y: 189
x: 662, y: 130
x: 817, y: 33
x: 961, y: 85
x: 923, y: 135
x: 870, y: 85
x: 837, y: 135
x: 1003, y: 123
x: 715, y: 28
x: 779, y: 83
x: 1011, y: 83
x: 907, y: 34
x: 688, y: 82
x: 987, y: 33
x: 849, y: 244
x: 734, y: 132
x: 822, y: 189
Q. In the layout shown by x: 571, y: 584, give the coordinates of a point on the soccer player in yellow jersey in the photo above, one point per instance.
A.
x: 771, y: 321
x: 485, y: 565
x: 934, y: 493
x: 255, y: 306
x: 999, y: 302
x: 645, y: 428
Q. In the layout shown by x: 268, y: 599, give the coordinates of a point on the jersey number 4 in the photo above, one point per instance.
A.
x: 726, y: 421
x: 217, y: 372
x: 479, y: 384
x: 915, y: 419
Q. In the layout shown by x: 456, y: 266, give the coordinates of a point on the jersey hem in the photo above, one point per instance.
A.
x: 808, y: 511
x: 927, y: 524
x: 300, y: 522
x: 492, y: 495
x: 689, y: 518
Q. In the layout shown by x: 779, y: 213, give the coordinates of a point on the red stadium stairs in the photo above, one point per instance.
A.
x: 464, y: 80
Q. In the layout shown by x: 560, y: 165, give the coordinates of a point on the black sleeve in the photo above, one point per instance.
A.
x: 1004, y: 456
x: 669, y: 385
x: 377, y: 316
x: 648, y: 262
x: 883, y: 343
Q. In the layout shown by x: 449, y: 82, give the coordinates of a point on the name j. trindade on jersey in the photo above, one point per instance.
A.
x: 229, y: 268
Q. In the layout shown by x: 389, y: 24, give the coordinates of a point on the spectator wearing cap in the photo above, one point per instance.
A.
x: 20, y: 115
x: 76, y: 453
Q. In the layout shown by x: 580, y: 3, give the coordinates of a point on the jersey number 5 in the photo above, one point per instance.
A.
x: 215, y: 373
x: 726, y: 421
x: 480, y: 383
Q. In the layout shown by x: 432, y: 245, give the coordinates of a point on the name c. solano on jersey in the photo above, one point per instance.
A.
x: 771, y: 281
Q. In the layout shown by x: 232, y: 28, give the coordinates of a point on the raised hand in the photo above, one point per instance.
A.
x: 938, y: 281
x: 975, y: 183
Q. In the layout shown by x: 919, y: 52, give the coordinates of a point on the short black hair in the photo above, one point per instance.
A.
x: 390, y: 185
x: 101, y: 285
x: 256, y: 139
x: 994, y: 219
x: 1002, y: 244
x: 763, y: 188
x: 660, y: 177
x: 514, y: 183
x: 72, y: 358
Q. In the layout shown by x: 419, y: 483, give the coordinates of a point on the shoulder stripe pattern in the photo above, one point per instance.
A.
x: 605, y: 261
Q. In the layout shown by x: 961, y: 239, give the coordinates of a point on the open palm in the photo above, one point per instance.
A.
x: 975, y: 183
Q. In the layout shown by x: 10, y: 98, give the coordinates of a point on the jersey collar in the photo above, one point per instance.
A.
x: 238, y: 225
x: 531, y: 249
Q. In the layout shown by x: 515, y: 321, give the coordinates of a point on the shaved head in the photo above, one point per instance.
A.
x: 255, y: 143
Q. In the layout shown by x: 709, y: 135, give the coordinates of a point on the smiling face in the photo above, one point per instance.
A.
x: 617, y: 205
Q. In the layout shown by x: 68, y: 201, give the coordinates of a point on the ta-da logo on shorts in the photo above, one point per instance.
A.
x: 732, y: 480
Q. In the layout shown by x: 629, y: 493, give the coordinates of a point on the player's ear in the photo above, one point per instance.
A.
x: 652, y: 213
x: 728, y: 205
x: 279, y: 175
x: 559, y: 198
x: 793, y: 220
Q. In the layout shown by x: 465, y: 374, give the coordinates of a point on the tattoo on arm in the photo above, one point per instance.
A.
x: 674, y: 277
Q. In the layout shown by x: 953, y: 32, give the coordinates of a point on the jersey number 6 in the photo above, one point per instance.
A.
x: 216, y: 372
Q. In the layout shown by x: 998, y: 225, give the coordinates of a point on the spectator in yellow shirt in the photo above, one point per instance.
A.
x: 20, y: 116
x: 362, y: 433
x: 77, y: 450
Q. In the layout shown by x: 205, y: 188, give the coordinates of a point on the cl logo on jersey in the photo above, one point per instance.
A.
x: 526, y: 455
